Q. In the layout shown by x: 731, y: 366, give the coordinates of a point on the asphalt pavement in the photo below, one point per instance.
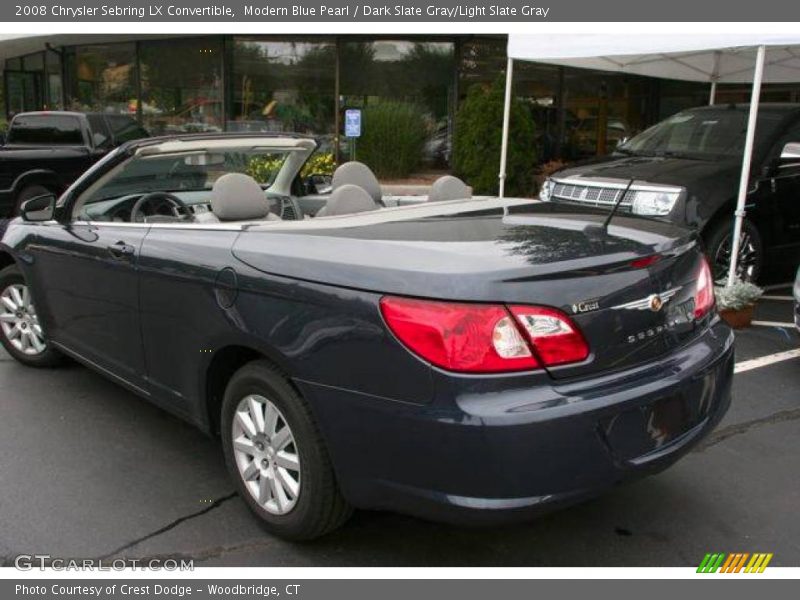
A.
x: 90, y: 470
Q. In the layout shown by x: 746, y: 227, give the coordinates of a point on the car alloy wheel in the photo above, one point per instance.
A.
x: 266, y: 454
x: 748, y: 258
x: 19, y: 322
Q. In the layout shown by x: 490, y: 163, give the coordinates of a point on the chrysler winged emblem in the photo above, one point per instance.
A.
x: 653, y: 302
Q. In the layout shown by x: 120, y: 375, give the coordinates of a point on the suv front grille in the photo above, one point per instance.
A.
x: 592, y: 195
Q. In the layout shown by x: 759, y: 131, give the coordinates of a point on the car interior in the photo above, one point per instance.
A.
x: 238, y: 182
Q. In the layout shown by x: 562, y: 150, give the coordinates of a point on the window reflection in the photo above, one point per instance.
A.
x: 283, y: 86
x: 181, y: 83
x: 104, y: 78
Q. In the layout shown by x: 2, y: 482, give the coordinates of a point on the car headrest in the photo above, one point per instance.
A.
x: 348, y: 199
x: 238, y: 197
x: 449, y: 188
x: 356, y: 173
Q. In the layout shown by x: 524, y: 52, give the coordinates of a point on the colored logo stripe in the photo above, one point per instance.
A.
x: 734, y: 563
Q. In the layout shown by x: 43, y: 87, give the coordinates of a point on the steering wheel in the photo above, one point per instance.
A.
x: 178, y: 208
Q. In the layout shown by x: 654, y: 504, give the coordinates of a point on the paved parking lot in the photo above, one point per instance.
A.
x: 89, y: 470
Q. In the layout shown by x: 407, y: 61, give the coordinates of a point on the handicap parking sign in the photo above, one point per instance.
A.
x: 352, y: 122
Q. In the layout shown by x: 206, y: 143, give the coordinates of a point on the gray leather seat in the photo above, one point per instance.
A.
x: 356, y: 173
x: 348, y: 199
x: 449, y: 188
x: 237, y: 197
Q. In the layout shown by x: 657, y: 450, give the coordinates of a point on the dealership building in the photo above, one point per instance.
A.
x: 305, y: 83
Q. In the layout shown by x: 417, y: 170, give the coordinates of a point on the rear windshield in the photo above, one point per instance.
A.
x: 46, y: 129
x: 125, y: 128
x: 701, y: 134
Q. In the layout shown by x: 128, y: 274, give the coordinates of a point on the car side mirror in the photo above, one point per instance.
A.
x: 790, y: 156
x: 39, y: 208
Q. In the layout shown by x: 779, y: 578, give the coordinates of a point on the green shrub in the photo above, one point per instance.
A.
x: 392, y: 139
x: 737, y: 296
x: 477, y: 140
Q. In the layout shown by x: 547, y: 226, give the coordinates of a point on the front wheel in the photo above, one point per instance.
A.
x: 719, y: 240
x: 20, y: 331
x: 277, y: 457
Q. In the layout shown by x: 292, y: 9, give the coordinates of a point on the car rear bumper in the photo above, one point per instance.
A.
x: 498, y: 450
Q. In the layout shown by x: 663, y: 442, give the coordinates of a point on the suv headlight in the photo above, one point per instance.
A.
x: 547, y: 190
x: 654, y: 203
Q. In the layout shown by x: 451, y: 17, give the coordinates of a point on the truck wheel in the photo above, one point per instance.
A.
x: 26, y: 193
x: 20, y: 331
x: 277, y: 457
x: 751, y: 250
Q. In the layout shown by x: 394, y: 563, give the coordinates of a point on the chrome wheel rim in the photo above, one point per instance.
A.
x: 746, y: 263
x: 19, y: 321
x: 266, y: 454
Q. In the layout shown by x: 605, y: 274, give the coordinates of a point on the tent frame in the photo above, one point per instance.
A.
x: 755, y: 95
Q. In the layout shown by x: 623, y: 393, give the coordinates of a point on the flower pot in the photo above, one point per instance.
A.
x: 738, y: 319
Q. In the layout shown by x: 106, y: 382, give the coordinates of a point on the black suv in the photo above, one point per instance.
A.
x: 686, y: 169
x: 46, y: 151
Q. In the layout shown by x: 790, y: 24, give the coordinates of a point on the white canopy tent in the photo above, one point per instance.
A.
x: 734, y: 58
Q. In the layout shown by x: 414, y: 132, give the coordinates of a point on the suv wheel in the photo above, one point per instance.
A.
x: 751, y: 251
x: 20, y: 331
x: 277, y: 457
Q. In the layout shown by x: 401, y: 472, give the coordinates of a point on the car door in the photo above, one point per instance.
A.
x: 87, y: 275
x: 783, y: 192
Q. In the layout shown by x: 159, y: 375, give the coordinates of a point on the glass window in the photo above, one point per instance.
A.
x: 55, y: 89
x: 182, y: 85
x: 125, y: 129
x: 101, y: 135
x: 189, y: 175
x: 46, y: 129
x: 283, y: 86
x: 709, y: 134
x: 104, y: 78
x: 417, y: 75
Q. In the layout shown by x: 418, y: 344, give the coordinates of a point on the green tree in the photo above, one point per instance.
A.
x: 477, y: 141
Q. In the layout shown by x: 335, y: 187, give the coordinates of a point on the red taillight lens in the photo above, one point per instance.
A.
x: 471, y: 338
x: 704, y: 294
x: 484, y: 338
x: 555, y: 338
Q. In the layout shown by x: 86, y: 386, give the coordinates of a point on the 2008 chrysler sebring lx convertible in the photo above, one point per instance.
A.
x: 453, y: 357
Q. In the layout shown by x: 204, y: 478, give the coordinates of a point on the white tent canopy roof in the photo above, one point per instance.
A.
x: 728, y: 58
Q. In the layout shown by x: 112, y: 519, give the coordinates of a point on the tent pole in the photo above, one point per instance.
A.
x: 746, y: 161
x: 712, y: 97
x: 506, y: 118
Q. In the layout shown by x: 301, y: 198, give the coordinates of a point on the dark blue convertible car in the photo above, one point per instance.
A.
x: 454, y: 357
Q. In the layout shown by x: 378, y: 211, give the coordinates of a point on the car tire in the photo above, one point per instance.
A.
x: 751, y: 251
x: 20, y: 332
x: 261, y: 462
x: 26, y: 193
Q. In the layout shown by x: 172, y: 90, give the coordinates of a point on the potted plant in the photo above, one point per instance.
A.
x: 736, y: 302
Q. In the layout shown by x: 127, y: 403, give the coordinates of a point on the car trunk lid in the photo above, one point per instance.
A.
x: 511, y: 253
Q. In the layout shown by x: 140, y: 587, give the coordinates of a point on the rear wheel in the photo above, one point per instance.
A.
x: 751, y: 251
x: 26, y: 193
x: 277, y: 457
x: 20, y: 331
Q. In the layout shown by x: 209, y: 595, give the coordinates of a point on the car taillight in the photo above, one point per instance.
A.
x: 555, y: 338
x: 704, y: 293
x: 483, y: 338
